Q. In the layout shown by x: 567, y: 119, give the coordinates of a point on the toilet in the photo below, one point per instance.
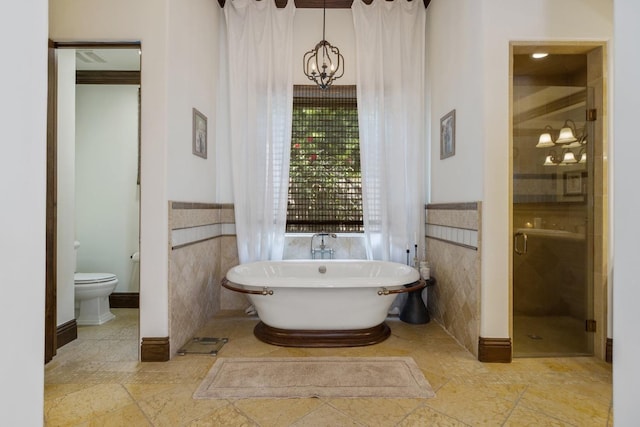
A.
x: 92, y: 292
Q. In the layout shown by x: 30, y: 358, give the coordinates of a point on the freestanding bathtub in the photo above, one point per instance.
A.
x: 322, y: 303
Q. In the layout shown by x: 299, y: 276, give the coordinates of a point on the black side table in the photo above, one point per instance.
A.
x: 414, y: 310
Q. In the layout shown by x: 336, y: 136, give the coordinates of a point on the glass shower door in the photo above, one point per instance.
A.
x: 552, y: 182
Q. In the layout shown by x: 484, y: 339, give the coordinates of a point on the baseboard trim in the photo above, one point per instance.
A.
x: 608, y: 355
x: 494, y: 350
x: 154, y: 349
x: 124, y: 300
x: 66, y: 333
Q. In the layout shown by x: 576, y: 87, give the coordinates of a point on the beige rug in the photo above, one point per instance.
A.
x: 290, y: 377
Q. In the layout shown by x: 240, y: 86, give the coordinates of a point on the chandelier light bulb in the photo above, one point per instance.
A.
x: 545, y: 141
x: 569, y: 158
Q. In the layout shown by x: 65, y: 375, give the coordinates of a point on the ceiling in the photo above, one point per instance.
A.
x: 108, y: 59
x: 554, y: 64
x: 549, y: 91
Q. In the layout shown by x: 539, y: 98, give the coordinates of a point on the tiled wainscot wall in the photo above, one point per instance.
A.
x: 453, y: 252
x: 202, y: 248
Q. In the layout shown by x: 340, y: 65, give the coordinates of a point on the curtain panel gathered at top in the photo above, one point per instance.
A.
x: 259, y: 48
x: 390, y: 52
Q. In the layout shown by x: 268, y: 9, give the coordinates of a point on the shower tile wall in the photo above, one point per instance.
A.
x: 202, y: 248
x: 453, y: 252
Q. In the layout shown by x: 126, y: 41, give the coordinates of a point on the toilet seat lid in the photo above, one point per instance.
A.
x: 81, y: 278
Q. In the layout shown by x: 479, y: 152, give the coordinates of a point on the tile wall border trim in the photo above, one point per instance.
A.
x: 183, y: 245
x: 451, y: 242
x: 221, y: 224
x: 449, y: 234
x: 197, y: 205
x: 466, y: 206
x: 181, y: 237
x: 450, y: 226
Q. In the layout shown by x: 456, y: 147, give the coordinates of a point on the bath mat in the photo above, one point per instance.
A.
x: 293, y: 377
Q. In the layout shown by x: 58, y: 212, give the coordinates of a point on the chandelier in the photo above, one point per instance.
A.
x: 568, y: 138
x: 324, y: 63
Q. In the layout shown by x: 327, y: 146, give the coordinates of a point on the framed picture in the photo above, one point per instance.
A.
x: 199, y: 134
x: 573, y: 183
x: 448, y: 135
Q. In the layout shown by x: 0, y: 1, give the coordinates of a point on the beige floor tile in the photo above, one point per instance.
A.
x: 54, y: 391
x: 427, y: 417
x: 477, y: 405
x: 146, y: 391
x: 97, y: 380
x: 376, y: 412
x: 130, y: 415
x: 86, y: 404
x: 325, y: 416
x: 277, y: 412
x: 225, y: 416
x: 523, y: 417
x: 434, y: 379
x: 565, y: 403
x: 176, y: 406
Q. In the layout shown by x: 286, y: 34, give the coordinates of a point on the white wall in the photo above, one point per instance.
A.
x: 454, y: 58
x: 626, y: 286
x: 107, y: 196
x: 23, y: 118
x: 585, y: 20
x: 307, y: 32
x: 170, y: 89
x: 66, y: 66
x: 192, y: 75
x: 482, y: 167
x: 144, y: 21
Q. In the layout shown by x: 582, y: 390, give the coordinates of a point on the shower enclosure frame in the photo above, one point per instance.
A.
x: 597, y: 230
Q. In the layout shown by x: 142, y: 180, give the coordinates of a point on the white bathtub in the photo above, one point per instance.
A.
x: 317, y: 302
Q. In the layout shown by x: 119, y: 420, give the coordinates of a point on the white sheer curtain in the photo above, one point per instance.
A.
x: 390, y: 53
x: 260, y: 45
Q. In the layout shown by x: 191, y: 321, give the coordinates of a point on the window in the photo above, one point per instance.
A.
x: 325, y: 192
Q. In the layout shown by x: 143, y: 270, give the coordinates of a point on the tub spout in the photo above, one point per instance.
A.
x: 323, y: 247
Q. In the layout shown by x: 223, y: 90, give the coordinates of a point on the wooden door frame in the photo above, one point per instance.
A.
x: 50, y: 319
x: 51, y: 327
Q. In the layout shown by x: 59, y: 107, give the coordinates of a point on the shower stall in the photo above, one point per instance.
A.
x: 553, y: 216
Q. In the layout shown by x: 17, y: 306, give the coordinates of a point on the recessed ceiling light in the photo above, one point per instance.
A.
x: 539, y: 55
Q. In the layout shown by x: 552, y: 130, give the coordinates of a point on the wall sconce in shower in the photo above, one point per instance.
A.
x: 568, y: 158
x: 568, y: 138
x: 567, y: 135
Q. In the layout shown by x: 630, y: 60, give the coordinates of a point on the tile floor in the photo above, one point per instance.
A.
x: 97, y: 381
x: 535, y: 336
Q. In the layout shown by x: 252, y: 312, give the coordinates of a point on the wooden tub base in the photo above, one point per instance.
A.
x: 328, y: 338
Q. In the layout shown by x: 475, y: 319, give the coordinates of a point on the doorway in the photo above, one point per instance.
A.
x: 95, y: 170
x: 557, y: 206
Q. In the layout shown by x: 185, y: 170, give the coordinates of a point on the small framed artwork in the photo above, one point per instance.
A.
x: 199, y: 134
x: 448, y: 135
x: 573, y: 183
